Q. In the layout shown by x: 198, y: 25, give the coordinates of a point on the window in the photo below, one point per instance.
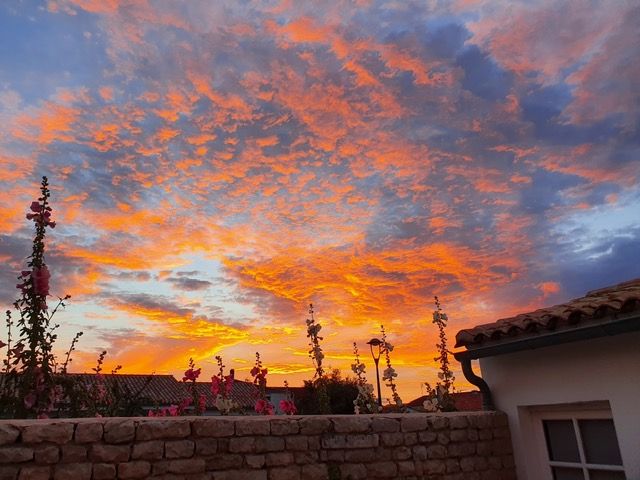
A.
x: 580, y: 445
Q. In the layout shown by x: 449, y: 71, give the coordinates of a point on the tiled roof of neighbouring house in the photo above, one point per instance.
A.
x: 598, y: 306
x: 464, y: 401
x: 167, y: 390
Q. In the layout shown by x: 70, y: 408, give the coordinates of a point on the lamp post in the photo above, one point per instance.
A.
x: 374, y: 342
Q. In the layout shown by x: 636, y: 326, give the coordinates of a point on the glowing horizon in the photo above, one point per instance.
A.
x: 216, y: 168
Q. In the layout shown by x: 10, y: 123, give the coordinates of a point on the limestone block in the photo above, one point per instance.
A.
x: 402, y: 453
x: 240, y: 475
x: 206, y: 446
x: 353, y: 471
x: 350, y: 441
x: 269, y: 444
x: 382, y: 470
x: 459, y: 435
x: 419, y: 452
x: 392, y: 439
x: 252, y: 426
x: 278, y: 459
x: 434, y: 466
x: 151, y: 450
x: 16, y: 454
x: 303, y: 458
x: 104, y: 471
x: 47, y: 455
x: 314, y: 425
x: 223, y: 461
x: 191, y: 465
x: 413, y: 423
x: 297, y: 443
x: 73, y: 453
x: 119, y: 430
x: 384, y: 424
x: 8, y: 434
x: 88, y: 432
x: 285, y: 473
x: 255, y: 461
x: 458, y: 422
x: 214, y: 427
x: 109, y: 453
x: 242, y: 445
x: 284, y: 427
x: 315, y: 472
x: 438, y: 422
x: 427, y: 436
x: 436, y: 451
x: 54, y: 432
x: 135, y: 469
x: 411, y: 438
x: 461, y: 449
x: 8, y: 473
x: 77, y: 471
x: 33, y: 472
x: 406, y: 468
x: 351, y: 424
x: 360, y: 455
x: 153, y: 429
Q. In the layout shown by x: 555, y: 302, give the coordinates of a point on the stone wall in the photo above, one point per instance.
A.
x: 456, y: 446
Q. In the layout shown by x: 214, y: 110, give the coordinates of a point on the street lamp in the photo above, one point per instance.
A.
x: 374, y: 342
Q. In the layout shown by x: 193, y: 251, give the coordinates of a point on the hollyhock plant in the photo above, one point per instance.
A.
x: 317, y: 356
x: 389, y: 373
x: 30, y: 364
x: 221, y: 387
x: 287, y: 405
x: 365, y: 402
x: 263, y: 406
x: 441, y: 396
x: 197, y: 399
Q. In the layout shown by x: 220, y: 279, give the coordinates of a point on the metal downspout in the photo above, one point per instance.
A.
x: 487, y: 398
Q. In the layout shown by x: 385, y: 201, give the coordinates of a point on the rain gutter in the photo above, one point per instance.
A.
x: 619, y: 325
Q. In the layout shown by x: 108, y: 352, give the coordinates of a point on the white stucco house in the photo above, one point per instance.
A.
x: 568, y: 377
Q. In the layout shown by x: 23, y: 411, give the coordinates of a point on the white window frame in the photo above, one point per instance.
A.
x: 573, y: 412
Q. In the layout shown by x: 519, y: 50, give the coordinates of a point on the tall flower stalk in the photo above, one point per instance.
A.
x: 389, y: 373
x: 29, y: 388
x: 365, y: 402
x: 287, y: 405
x: 263, y: 406
x: 221, y: 387
x: 197, y: 398
x: 441, y: 396
x: 316, y: 355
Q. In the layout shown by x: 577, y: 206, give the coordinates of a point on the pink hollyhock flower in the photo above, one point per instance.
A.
x: 191, y: 375
x: 215, y: 385
x: 35, y: 207
x: 263, y: 407
x: 288, y: 407
x: 150, y: 413
x: 30, y: 400
x: 254, y: 371
x: 41, y: 278
x: 173, y: 410
x: 202, y: 403
x: 228, y: 383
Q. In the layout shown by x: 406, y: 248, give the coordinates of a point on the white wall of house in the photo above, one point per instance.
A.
x: 604, y: 369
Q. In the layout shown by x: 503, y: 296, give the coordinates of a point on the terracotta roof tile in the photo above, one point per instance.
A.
x: 167, y: 390
x: 598, y: 306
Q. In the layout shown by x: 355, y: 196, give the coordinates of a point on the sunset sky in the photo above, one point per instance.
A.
x: 217, y: 165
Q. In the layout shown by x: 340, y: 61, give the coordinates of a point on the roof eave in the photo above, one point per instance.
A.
x: 620, y: 324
